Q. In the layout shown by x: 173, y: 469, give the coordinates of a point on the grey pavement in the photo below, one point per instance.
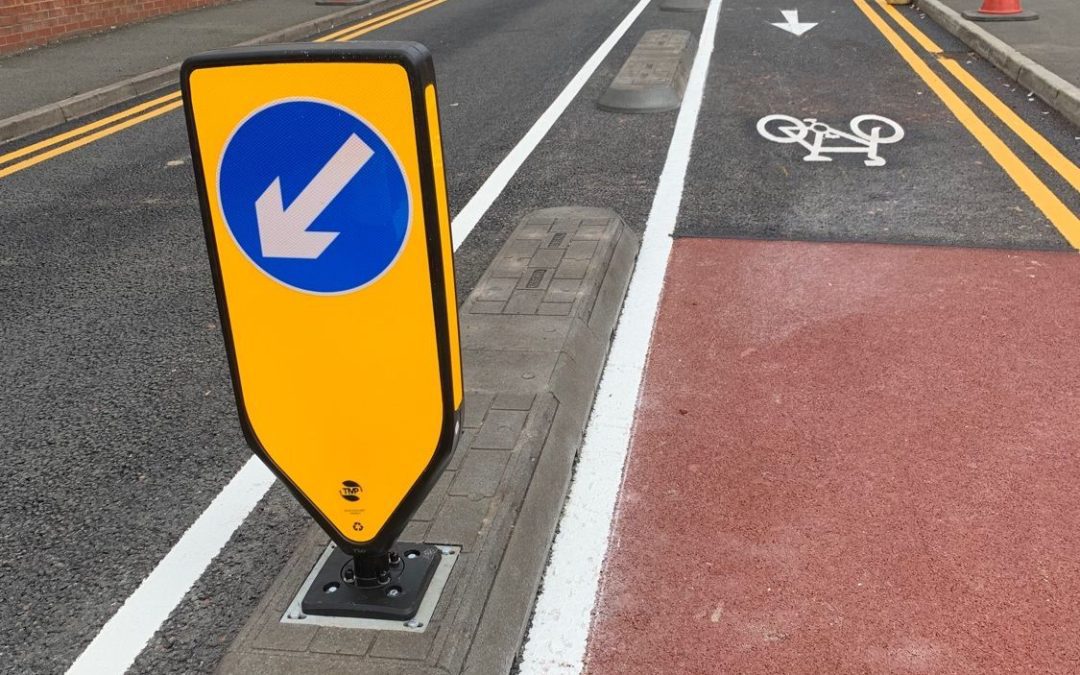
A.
x: 1052, y: 41
x: 52, y: 73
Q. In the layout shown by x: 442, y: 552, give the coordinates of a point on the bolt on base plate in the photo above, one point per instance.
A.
x: 395, y: 596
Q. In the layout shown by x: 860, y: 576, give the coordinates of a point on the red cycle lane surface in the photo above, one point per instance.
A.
x: 852, y: 458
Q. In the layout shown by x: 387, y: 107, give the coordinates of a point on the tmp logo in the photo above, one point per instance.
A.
x: 350, y: 490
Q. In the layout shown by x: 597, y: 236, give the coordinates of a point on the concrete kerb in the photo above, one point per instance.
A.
x: 654, y: 76
x: 40, y: 119
x: 1058, y: 93
x: 684, y: 5
x: 535, y: 335
x: 574, y: 384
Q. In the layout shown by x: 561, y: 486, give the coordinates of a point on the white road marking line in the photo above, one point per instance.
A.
x: 480, y: 202
x: 557, y: 640
x: 126, y: 634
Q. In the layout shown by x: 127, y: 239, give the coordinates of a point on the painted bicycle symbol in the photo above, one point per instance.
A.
x: 867, y: 133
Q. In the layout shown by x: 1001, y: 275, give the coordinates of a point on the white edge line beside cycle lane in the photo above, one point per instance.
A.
x: 557, y: 639
x: 124, y: 636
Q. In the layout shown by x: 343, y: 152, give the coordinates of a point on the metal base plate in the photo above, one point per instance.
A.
x: 333, y: 593
x: 418, y: 624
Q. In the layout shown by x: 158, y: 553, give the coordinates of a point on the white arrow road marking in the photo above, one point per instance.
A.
x: 792, y: 24
x: 283, y: 232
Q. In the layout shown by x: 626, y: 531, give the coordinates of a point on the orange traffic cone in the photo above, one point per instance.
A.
x: 1000, y: 10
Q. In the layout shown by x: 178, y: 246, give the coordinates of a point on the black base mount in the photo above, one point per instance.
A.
x: 389, y: 585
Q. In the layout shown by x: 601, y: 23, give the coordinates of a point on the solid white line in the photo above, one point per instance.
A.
x: 473, y: 211
x: 558, y: 637
x: 125, y: 635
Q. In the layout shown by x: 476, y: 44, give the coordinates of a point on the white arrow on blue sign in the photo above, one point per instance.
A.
x: 313, y: 196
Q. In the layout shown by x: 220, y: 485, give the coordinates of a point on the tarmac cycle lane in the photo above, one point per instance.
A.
x: 872, y: 125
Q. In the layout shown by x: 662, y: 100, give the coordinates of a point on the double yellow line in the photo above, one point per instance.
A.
x: 105, y: 126
x: 44, y: 150
x: 1042, y: 196
x: 364, y: 27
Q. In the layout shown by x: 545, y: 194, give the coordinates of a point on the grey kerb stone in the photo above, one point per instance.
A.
x: 535, y: 335
x: 684, y: 5
x: 654, y: 77
x: 1055, y: 90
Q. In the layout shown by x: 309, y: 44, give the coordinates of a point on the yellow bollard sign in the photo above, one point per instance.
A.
x: 320, y: 177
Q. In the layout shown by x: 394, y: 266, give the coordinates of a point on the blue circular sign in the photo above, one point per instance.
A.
x: 314, y: 196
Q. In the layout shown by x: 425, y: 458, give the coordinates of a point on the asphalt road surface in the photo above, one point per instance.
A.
x: 117, y: 421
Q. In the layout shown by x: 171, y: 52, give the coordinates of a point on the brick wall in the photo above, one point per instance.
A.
x: 30, y: 23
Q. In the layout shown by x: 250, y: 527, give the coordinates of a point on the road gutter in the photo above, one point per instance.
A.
x: 1058, y: 93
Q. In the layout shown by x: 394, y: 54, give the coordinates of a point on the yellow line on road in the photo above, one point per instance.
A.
x: 1044, y: 199
x: 336, y: 36
x: 129, y: 118
x: 78, y: 131
x: 362, y: 30
x: 1050, y: 154
x: 78, y: 143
